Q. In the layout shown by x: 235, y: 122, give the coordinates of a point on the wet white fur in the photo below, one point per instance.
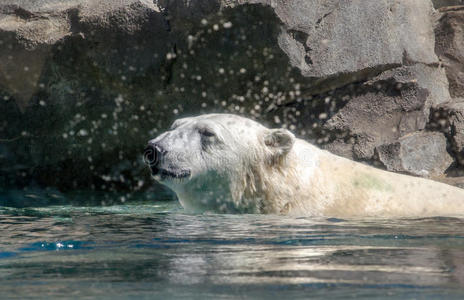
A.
x: 246, y: 167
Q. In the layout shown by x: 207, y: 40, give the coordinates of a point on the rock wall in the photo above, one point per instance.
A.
x: 85, y: 83
x: 449, y: 47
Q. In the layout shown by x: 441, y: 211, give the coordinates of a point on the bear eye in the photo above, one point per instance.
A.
x: 207, y: 132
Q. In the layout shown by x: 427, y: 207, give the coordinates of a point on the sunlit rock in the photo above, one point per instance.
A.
x: 391, y: 105
x: 420, y: 153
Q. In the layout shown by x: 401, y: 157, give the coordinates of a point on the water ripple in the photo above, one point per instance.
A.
x: 157, y: 251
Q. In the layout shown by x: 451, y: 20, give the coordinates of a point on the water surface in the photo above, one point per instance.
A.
x: 158, y: 251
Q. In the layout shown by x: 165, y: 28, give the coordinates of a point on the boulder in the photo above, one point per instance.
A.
x: 329, y: 38
x: 419, y: 153
x: 391, y: 105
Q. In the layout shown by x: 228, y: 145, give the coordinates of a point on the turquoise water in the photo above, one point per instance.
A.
x: 155, y: 250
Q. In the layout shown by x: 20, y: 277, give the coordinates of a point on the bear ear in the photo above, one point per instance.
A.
x: 279, y: 140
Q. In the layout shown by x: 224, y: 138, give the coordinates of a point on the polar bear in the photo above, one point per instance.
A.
x: 227, y: 163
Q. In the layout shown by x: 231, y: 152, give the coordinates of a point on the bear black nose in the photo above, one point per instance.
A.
x: 152, y: 154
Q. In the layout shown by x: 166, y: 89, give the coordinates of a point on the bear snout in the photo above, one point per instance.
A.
x: 152, y: 154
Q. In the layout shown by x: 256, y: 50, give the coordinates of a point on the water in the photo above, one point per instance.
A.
x: 158, y: 251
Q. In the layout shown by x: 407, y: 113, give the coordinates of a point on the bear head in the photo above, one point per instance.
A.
x: 216, y: 161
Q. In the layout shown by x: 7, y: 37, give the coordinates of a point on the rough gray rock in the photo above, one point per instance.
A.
x: 326, y: 38
x: 322, y: 38
x: 393, y: 104
x: 449, y: 47
x: 33, y: 33
x: 85, y: 83
x: 419, y: 153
